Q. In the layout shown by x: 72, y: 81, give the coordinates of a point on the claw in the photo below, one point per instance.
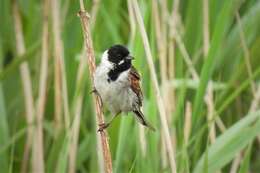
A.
x: 93, y: 91
x: 103, y: 126
x: 97, y: 94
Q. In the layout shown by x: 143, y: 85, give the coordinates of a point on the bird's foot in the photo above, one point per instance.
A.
x: 93, y: 91
x: 97, y: 94
x: 103, y: 126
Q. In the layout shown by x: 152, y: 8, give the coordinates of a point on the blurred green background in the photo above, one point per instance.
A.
x: 207, y: 60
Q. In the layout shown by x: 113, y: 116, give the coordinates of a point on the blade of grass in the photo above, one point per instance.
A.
x: 245, y: 163
x: 223, y: 22
x: 231, y: 142
x: 4, y: 129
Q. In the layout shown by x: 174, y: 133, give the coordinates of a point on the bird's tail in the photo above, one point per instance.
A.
x: 140, y: 117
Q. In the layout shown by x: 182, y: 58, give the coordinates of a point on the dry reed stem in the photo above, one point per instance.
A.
x: 209, y: 93
x: 131, y: 21
x: 61, y: 95
x: 57, y: 70
x: 246, y: 53
x: 186, y: 56
x: 38, y: 147
x: 64, y: 12
x: 236, y: 163
x: 92, y: 66
x: 77, y: 112
x: 162, y: 57
x: 187, y: 122
x: 142, y: 140
x: 75, y: 135
x: 161, y: 36
x: 211, y: 111
x: 159, y: 99
x: 93, y: 13
x: 255, y: 102
x: 205, y: 27
x: 162, y: 47
x: 221, y: 125
x: 254, y: 105
x: 172, y: 24
x: 171, y: 50
x: 27, y: 86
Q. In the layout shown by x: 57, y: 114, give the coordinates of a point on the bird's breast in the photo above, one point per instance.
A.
x: 117, y: 94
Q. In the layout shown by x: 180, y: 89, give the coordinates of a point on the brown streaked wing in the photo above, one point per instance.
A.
x: 134, y: 78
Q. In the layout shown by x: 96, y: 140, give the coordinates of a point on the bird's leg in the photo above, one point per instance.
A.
x: 97, y: 94
x: 103, y: 126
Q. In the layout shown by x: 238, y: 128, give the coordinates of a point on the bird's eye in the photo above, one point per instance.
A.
x: 119, y: 56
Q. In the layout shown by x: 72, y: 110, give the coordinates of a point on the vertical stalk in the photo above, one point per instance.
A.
x: 77, y: 108
x: 38, y: 137
x: 27, y: 86
x: 91, y: 64
x: 60, y: 83
x: 163, y: 117
x: 160, y: 44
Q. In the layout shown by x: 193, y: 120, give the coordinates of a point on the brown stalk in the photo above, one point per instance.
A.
x: 59, y: 72
x: 160, y: 37
x: 94, y: 10
x: 209, y: 95
x: 38, y: 149
x: 205, y: 27
x: 187, y: 122
x: 171, y: 50
x: 77, y: 112
x: 142, y: 140
x: 27, y: 86
x: 211, y: 110
x: 132, y: 22
x: 162, y: 111
x: 84, y: 17
x: 60, y: 84
x: 75, y: 135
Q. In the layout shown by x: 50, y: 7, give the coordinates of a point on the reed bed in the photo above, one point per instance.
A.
x: 200, y: 68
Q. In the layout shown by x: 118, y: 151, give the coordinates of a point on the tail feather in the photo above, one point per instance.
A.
x: 140, y: 117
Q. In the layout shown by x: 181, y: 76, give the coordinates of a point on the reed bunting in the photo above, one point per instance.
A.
x: 117, y: 82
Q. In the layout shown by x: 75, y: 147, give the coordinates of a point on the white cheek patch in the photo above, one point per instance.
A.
x: 121, y: 62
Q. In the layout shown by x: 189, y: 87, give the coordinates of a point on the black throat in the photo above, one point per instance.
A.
x: 117, y: 70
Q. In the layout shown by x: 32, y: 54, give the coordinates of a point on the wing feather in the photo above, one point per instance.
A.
x: 134, y: 78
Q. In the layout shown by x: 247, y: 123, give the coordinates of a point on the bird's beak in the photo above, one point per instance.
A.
x: 130, y: 57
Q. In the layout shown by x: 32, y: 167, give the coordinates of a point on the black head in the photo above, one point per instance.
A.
x: 117, y: 53
x: 119, y: 56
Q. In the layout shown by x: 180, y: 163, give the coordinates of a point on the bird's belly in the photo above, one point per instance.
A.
x: 117, y: 97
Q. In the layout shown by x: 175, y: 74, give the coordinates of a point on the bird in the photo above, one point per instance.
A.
x: 117, y: 83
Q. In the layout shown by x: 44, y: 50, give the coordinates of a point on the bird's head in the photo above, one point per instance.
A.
x: 117, y: 55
